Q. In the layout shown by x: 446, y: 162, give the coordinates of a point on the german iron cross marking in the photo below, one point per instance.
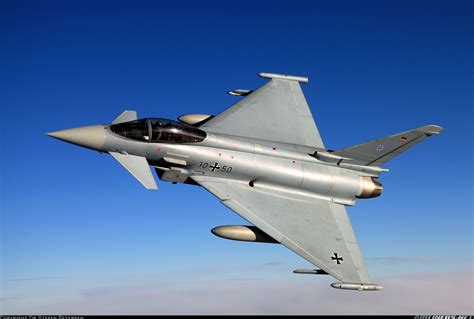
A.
x: 214, y: 167
x: 337, y: 258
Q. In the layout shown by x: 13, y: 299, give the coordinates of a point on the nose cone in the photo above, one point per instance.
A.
x: 92, y: 137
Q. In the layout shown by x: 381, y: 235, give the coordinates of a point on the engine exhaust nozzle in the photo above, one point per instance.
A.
x: 370, y: 188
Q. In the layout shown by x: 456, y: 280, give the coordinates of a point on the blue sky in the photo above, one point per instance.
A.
x: 74, y: 223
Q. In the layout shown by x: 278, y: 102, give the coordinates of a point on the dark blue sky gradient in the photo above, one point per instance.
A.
x: 375, y: 68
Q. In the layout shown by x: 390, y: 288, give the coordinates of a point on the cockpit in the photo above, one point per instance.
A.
x: 156, y: 130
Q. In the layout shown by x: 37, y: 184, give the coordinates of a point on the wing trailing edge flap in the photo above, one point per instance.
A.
x: 317, y: 230
x: 138, y: 167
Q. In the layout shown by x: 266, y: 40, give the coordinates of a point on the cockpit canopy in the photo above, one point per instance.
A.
x: 156, y: 130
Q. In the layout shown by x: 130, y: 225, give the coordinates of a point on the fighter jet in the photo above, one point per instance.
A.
x: 264, y: 159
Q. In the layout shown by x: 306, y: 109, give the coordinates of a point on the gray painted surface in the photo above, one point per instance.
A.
x: 138, y: 167
x: 277, y: 111
x: 377, y: 152
x: 264, y: 159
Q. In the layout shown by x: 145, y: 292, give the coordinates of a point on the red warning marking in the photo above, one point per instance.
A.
x: 158, y: 149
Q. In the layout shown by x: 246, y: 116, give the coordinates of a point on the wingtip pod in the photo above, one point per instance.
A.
x: 356, y: 286
x: 283, y: 77
x: 431, y: 129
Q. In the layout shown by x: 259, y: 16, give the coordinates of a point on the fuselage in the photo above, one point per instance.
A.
x: 284, y: 189
x: 256, y: 162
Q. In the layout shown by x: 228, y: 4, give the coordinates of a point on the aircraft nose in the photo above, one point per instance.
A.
x: 92, y: 137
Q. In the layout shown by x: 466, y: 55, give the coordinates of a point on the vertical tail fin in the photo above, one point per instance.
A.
x: 377, y: 152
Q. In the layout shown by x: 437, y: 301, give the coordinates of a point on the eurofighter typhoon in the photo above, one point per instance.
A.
x: 264, y: 159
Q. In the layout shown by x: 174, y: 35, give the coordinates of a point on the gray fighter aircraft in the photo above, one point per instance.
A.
x: 263, y: 158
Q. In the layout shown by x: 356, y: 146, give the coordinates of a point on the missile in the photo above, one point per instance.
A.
x: 240, y: 92
x: 366, y: 169
x: 243, y: 233
x: 333, y: 158
x: 310, y: 271
x: 355, y: 286
x: 328, y: 157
